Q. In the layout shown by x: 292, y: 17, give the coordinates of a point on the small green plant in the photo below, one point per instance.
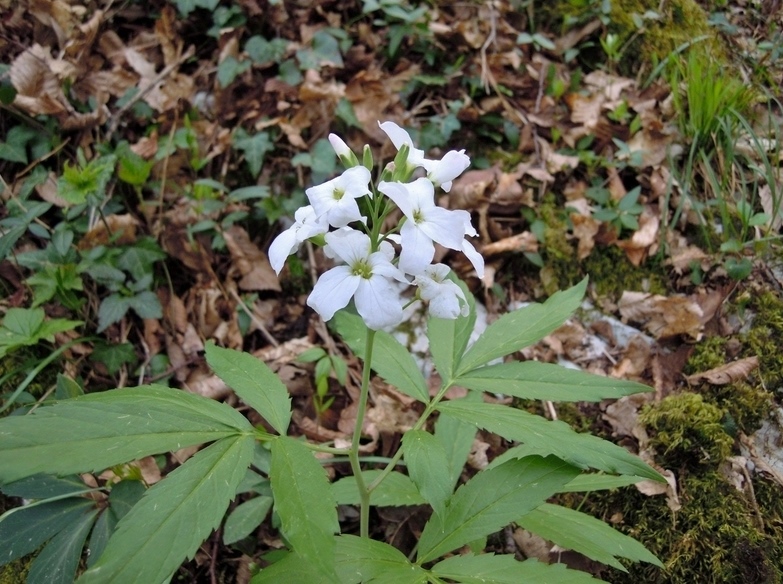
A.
x: 622, y: 214
x: 326, y: 365
x: 89, y: 433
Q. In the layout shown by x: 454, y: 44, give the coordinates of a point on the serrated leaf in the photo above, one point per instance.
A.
x: 523, y: 327
x: 174, y: 516
x: 24, y: 529
x: 364, y: 560
x: 504, y: 569
x: 457, y: 437
x: 428, y: 467
x: 58, y: 560
x: 396, y: 490
x: 546, y: 381
x: 245, y: 518
x: 254, y: 148
x: 291, y: 569
x: 93, y: 432
x: 146, y: 304
x: 111, y: 310
x: 489, y: 500
x: 449, y: 337
x: 113, y: 356
x: 587, y: 535
x: 254, y: 382
x: 390, y: 359
x: 307, y: 512
x: 28, y: 326
x: 544, y: 437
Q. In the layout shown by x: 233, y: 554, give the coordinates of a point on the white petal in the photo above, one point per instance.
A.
x: 475, y: 258
x: 333, y: 291
x: 397, y: 135
x: 321, y: 196
x: 448, y: 168
x: 422, y: 194
x: 283, y: 246
x: 445, y: 227
x: 378, y: 303
x: 398, y: 193
x: 348, y: 245
x: 346, y: 211
x: 339, y: 145
x: 417, y: 249
x: 355, y: 181
x: 449, y: 303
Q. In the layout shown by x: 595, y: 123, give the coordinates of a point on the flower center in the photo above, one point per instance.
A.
x: 418, y: 216
x: 338, y: 194
x: 362, y: 268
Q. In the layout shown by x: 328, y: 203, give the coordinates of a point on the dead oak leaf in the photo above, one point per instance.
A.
x: 728, y: 373
x: 662, y: 316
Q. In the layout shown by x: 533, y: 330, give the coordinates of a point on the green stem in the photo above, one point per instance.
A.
x: 417, y: 426
x: 353, y: 455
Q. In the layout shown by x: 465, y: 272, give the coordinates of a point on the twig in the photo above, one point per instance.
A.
x: 487, y: 79
x: 267, y: 335
x: 115, y: 118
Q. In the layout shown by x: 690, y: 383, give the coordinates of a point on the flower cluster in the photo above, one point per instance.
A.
x: 346, y: 215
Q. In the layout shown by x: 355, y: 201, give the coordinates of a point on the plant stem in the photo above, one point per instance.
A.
x: 353, y: 455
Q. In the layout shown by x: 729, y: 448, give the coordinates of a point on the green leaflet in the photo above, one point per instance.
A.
x: 390, y: 359
x: 598, y: 482
x: 428, y: 467
x: 245, y: 518
x: 95, y: 431
x: 25, y: 529
x: 174, y: 517
x: 291, y: 569
x: 544, y: 437
x: 448, y: 338
x: 307, y: 513
x: 545, y: 381
x: 457, y: 437
x: 585, y: 534
x: 396, y: 490
x: 490, y: 500
x: 59, y: 559
x: 254, y: 382
x: 502, y: 569
x: 521, y: 328
x: 364, y: 560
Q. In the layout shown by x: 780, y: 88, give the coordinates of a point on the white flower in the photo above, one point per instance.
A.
x: 306, y: 225
x: 446, y: 298
x: 427, y: 223
x: 367, y: 276
x: 336, y: 199
x: 339, y: 145
x: 441, y: 172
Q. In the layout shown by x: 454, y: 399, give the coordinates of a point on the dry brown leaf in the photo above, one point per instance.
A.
x: 252, y: 263
x: 644, y: 240
x: 38, y: 88
x: 662, y: 316
x: 669, y: 488
x: 114, y: 230
x: 585, y: 229
x: 728, y: 373
x: 522, y: 242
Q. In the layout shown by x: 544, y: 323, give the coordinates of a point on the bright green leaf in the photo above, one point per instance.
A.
x: 396, y: 490
x: 364, y: 560
x: 174, y: 517
x: 307, y: 512
x: 245, y: 518
x: 490, y: 501
x: 291, y: 569
x: 504, y: 569
x: 254, y: 382
x: 546, y: 381
x: 428, y: 467
x: 457, y: 437
x: 585, y: 483
x: 390, y: 359
x: 544, y: 437
x: 523, y: 327
x: 27, y: 326
x: 587, y: 535
x: 96, y: 431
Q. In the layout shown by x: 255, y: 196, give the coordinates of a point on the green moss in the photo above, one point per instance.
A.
x: 686, y: 431
x: 16, y: 572
x: 706, y: 355
x: 765, y: 337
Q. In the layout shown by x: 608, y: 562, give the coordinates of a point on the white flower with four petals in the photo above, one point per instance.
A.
x: 336, y: 199
x: 306, y: 225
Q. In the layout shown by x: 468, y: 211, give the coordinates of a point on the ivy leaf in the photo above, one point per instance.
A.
x: 365, y: 560
x: 544, y: 437
x: 390, y: 359
x: 307, y: 511
x: 254, y: 148
x: 521, y: 328
x: 428, y: 467
x: 490, y: 500
x: 546, y: 381
x: 254, y: 382
x: 175, y: 516
x: 504, y: 569
x: 587, y: 535
x: 396, y: 490
x: 95, y: 431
